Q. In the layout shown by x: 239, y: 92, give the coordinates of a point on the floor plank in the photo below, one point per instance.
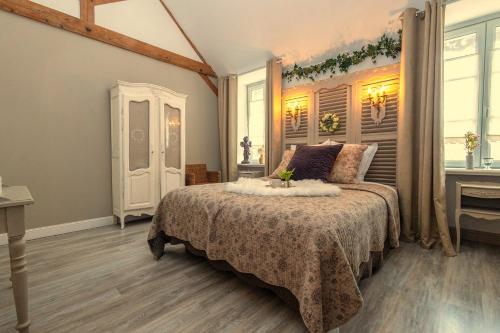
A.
x: 105, y: 280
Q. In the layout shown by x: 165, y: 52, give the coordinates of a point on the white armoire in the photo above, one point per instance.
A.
x: 147, y: 146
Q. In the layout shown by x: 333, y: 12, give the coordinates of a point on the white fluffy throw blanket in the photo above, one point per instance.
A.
x: 301, y: 188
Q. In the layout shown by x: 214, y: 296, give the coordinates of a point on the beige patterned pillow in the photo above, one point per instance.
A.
x: 287, y: 156
x: 345, y: 168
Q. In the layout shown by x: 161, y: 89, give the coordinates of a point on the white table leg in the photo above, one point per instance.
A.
x: 19, y: 273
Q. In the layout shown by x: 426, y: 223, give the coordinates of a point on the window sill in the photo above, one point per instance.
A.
x: 473, y: 172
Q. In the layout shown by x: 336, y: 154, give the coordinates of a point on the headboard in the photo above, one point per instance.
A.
x: 347, y: 96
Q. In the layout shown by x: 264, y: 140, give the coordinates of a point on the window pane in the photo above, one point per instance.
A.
x: 138, y: 135
x: 461, y: 67
x: 172, y: 137
x: 461, y: 94
x: 460, y: 46
x: 256, y: 120
x: 493, y: 127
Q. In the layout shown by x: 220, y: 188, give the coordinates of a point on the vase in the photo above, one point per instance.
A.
x: 286, y: 183
x: 469, y: 161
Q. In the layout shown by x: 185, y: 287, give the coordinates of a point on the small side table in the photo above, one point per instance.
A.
x: 479, y: 191
x: 13, y: 200
x: 251, y: 170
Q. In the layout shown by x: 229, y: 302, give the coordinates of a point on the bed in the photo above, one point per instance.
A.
x: 314, y: 248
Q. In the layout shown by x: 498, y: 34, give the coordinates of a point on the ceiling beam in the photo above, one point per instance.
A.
x: 67, y: 22
x: 205, y: 78
x: 87, y: 11
x: 103, y: 2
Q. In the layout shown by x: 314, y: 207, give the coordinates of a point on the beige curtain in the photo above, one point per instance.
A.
x: 228, y: 125
x: 421, y: 178
x: 273, y: 115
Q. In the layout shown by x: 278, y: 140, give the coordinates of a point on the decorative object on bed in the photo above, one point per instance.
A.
x: 147, y: 146
x: 227, y: 109
x: 311, y: 247
x: 299, y: 188
x: 287, y: 157
x: 421, y: 176
x: 285, y: 177
x: 346, y: 166
x: 246, y: 144
x: 293, y: 110
x: 385, y: 46
x: 197, y: 174
x: 377, y: 100
x: 314, y: 162
x: 329, y: 122
x: 273, y: 142
x: 471, y: 143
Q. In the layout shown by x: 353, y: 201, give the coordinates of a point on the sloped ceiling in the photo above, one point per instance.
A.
x: 238, y: 36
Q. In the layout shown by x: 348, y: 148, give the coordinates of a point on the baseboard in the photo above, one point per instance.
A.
x: 64, y: 228
x: 477, y: 236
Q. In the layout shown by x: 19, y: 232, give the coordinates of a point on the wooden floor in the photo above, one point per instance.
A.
x: 105, y: 280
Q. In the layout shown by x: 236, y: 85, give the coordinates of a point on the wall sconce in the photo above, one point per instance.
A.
x: 293, y: 110
x: 377, y: 98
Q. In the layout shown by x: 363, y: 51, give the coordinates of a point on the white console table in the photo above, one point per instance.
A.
x: 13, y: 200
x: 478, y: 190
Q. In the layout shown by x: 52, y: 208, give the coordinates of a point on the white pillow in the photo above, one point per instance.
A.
x: 366, y: 161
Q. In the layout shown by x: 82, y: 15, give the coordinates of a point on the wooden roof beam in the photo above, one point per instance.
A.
x: 87, y: 29
x: 103, y: 2
x: 205, y: 78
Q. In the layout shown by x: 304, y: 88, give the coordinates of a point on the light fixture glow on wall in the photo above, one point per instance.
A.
x: 377, y: 97
x: 293, y: 110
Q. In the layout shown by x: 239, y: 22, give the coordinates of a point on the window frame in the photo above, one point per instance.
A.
x: 484, y: 27
x: 491, y: 25
x: 250, y: 87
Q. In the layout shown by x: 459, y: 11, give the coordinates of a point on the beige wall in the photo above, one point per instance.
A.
x: 55, y: 123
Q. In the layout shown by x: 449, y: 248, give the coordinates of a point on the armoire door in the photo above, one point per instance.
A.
x: 172, y: 146
x: 139, y: 154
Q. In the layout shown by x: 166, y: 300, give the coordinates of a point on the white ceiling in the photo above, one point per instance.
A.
x: 237, y: 36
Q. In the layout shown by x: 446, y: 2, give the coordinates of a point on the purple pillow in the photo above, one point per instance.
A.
x: 313, y: 162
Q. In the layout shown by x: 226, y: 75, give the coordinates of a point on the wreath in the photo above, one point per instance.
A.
x: 329, y: 122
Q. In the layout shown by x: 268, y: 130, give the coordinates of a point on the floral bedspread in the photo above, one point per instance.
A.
x: 312, y: 246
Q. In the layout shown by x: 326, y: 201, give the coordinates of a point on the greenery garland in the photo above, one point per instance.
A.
x: 386, y: 45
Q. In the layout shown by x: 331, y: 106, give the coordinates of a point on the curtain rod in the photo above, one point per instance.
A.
x: 421, y: 13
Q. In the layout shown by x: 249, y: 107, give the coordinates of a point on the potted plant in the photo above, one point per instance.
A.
x: 471, y: 143
x: 285, y: 177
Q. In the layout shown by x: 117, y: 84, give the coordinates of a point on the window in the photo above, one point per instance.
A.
x: 256, y: 118
x: 471, y: 78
